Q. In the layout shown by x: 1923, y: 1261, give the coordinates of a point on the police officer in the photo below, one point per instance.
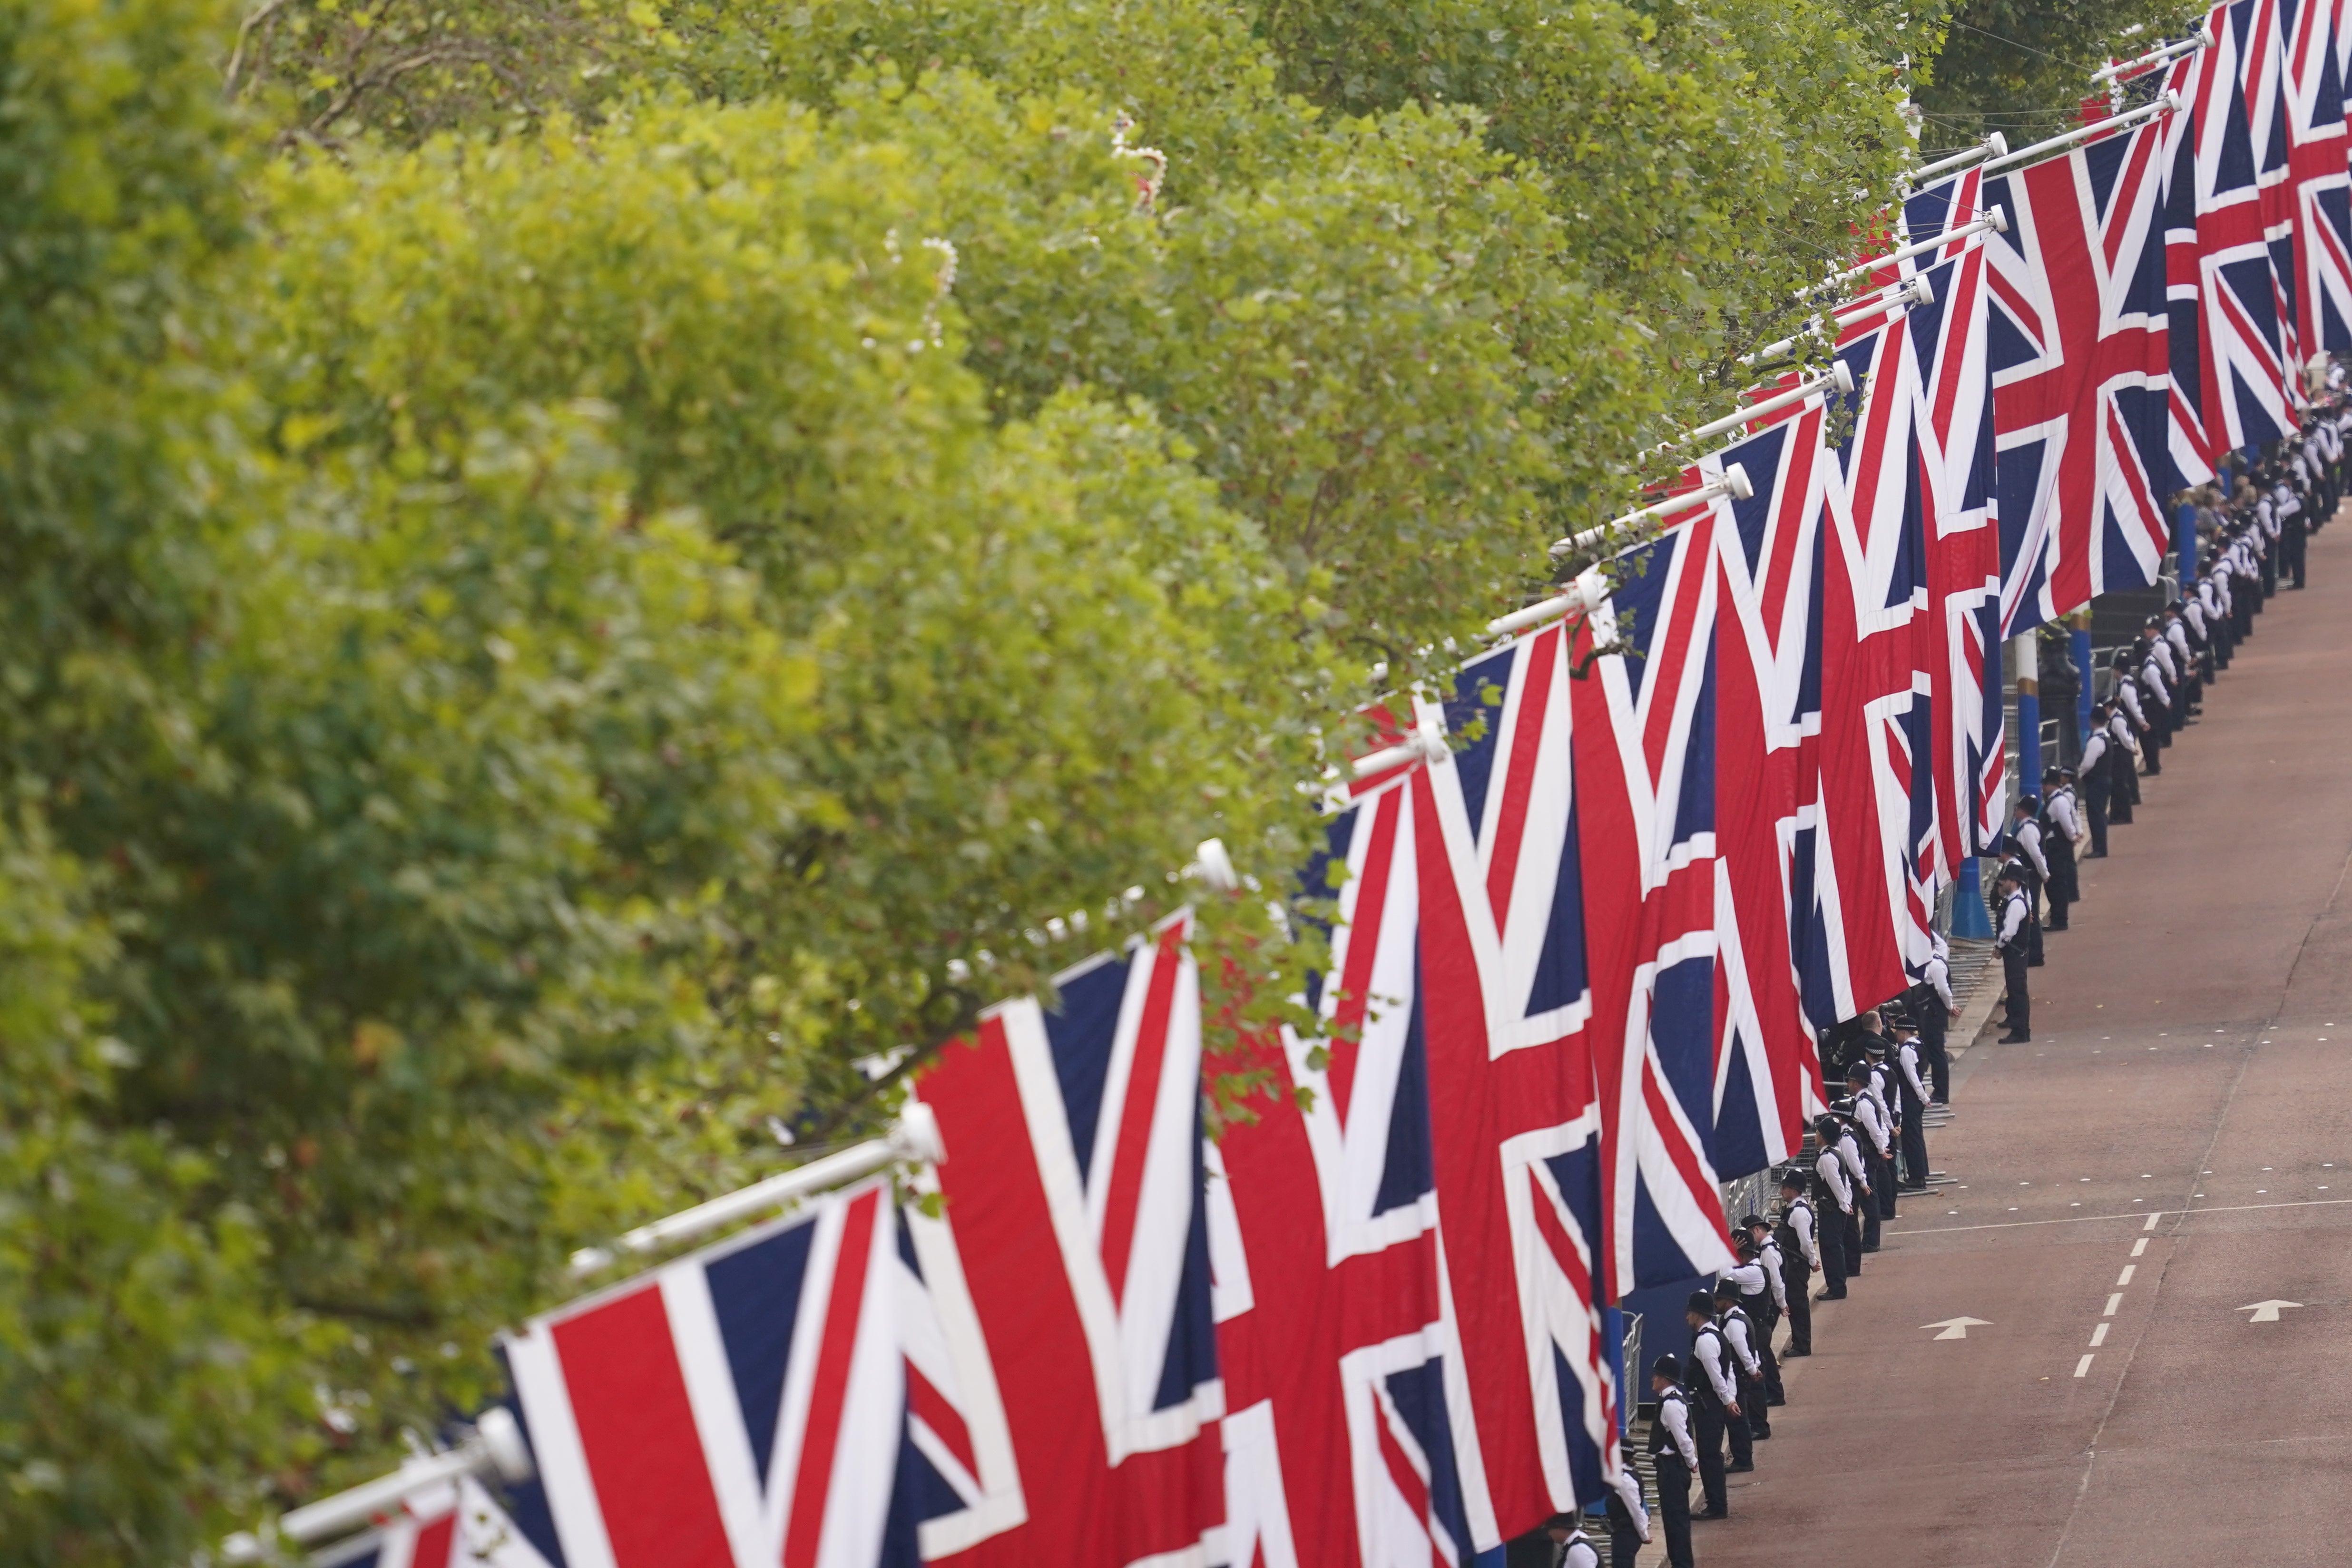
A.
x: 2058, y: 829
x: 1762, y: 1249
x: 1801, y: 1253
x: 1876, y: 1143
x: 2133, y: 703
x: 2025, y: 847
x: 1740, y: 1332
x: 1834, y: 1201
x: 1912, y: 1090
x: 1628, y: 1521
x: 2122, y: 762
x: 1862, y: 1221
x: 1932, y: 1009
x: 2014, y: 935
x: 1572, y: 1548
x: 2292, y: 534
x: 2097, y: 769
x: 2176, y: 636
x: 1878, y: 1091
x: 1674, y: 1455
x: 1715, y: 1402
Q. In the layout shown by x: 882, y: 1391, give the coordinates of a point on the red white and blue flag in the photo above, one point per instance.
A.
x: 2321, y: 187
x: 1877, y: 786
x: 1074, y: 1188
x: 2229, y: 244
x: 1961, y: 633
x: 1768, y: 1074
x: 1643, y: 750
x: 1370, y: 1422
x: 796, y: 1395
x: 2082, y: 382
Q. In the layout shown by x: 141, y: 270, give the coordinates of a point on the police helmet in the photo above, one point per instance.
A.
x: 1702, y: 1303
x: 1668, y: 1366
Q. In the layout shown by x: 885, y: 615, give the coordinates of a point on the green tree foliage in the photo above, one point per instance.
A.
x: 585, y: 585
x: 2023, y: 67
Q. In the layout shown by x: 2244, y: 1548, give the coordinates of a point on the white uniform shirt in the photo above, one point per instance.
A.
x: 1737, y: 1330
x: 2095, y: 752
x: 2129, y: 695
x: 1907, y: 1056
x: 1628, y: 1487
x: 1829, y: 1168
x: 1769, y: 1254
x: 1849, y: 1153
x: 2176, y: 636
x: 2062, y: 812
x: 2154, y: 673
x: 2160, y: 651
x: 1937, y: 973
x: 2013, y: 917
x: 1674, y: 1415
x: 1800, y: 1220
x: 1873, y: 1120
x: 1577, y: 1551
x: 2028, y: 840
x: 1712, y: 1351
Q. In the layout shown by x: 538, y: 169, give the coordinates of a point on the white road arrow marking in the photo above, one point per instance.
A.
x: 1958, y: 1328
x: 2266, y: 1311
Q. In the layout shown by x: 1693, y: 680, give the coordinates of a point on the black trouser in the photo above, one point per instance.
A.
x: 2060, y: 897
x: 1861, y: 1233
x: 1831, y: 1239
x: 1914, y: 1139
x: 1881, y: 1177
x: 1737, y: 1427
x: 1708, y: 1421
x: 2094, y: 801
x: 1674, y: 1508
x: 1624, y: 1539
x: 1933, y: 1022
x: 1766, y: 1326
x: 1752, y: 1408
x: 2021, y: 1004
x: 2295, y: 560
x: 1797, y: 1280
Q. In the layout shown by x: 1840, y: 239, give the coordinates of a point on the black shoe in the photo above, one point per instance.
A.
x: 2014, y: 1039
x: 1832, y: 1296
x: 2036, y: 962
x: 1707, y: 1513
x: 1794, y: 1351
x: 1776, y: 1401
x: 1912, y: 1187
x: 1869, y: 1247
x: 1763, y: 1436
x: 1739, y: 1469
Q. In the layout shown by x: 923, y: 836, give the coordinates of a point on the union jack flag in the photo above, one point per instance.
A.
x: 1955, y: 424
x: 2229, y: 241
x: 1074, y: 1187
x: 1643, y: 745
x: 2316, y: 160
x: 1768, y: 1072
x: 794, y: 1395
x: 1368, y: 1425
x: 1877, y: 786
x: 2082, y: 382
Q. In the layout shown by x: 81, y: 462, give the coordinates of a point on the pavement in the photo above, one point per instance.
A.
x: 2172, y: 1150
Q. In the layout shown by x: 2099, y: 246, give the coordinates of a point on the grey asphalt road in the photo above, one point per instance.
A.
x: 2172, y: 1149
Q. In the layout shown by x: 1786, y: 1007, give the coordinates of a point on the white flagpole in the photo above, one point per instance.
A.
x: 2127, y: 118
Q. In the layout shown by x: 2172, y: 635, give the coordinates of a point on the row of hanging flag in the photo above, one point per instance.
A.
x: 1585, y: 949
